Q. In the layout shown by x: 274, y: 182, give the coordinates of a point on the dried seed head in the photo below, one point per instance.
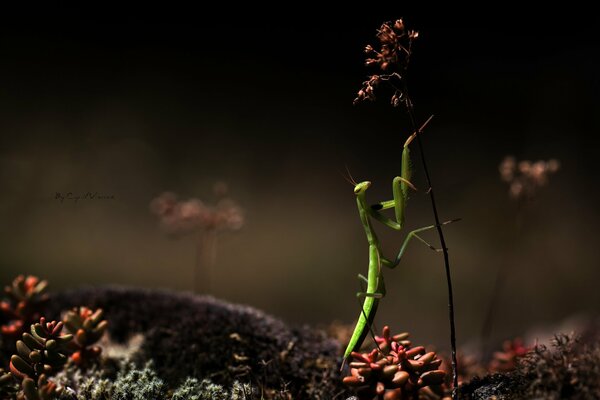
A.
x: 392, y: 58
x: 399, y: 25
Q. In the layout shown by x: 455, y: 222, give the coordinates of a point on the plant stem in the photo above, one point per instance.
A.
x: 411, y: 114
x: 206, y: 258
x: 499, y: 282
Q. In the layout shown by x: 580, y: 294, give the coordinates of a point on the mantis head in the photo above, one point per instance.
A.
x: 361, y: 187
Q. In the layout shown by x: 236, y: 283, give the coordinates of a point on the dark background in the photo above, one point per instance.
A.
x: 133, y: 102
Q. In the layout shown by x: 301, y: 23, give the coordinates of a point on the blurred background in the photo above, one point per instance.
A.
x: 131, y: 103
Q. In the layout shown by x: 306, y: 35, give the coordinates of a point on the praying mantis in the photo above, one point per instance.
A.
x: 375, y: 289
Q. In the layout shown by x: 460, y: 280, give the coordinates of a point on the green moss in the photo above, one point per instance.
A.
x: 93, y: 388
x: 133, y: 383
x: 128, y: 382
x: 138, y: 384
x: 192, y: 389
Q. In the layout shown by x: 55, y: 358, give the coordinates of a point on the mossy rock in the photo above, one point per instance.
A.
x: 186, y: 336
x: 197, y: 348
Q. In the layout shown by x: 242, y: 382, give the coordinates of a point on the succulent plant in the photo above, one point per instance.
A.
x: 396, y: 371
x: 42, y: 389
x: 7, y: 384
x: 39, y: 354
x: 506, y: 360
x: 26, y: 294
x: 87, y: 327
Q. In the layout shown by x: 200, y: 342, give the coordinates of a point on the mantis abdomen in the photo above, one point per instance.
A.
x: 375, y: 289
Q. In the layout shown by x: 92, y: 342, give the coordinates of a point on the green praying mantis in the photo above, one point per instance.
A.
x: 375, y: 289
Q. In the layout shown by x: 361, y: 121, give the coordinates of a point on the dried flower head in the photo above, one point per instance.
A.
x: 526, y: 177
x: 392, y: 59
x: 395, y: 370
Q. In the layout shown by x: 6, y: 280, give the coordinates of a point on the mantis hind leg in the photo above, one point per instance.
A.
x: 409, y: 237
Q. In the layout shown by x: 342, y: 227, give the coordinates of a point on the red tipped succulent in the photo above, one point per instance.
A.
x: 506, y: 360
x: 42, y: 389
x: 396, y: 371
x: 26, y: 294
x: 87, y: 327
x: 7, y: 384
x: 39, y: 354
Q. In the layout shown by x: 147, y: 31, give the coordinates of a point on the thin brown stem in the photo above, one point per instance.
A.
x: 411, y: 114
x: 501, y: 274
x: 206, y: 258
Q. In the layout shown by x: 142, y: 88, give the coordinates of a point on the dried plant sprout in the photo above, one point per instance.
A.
x: 178, y: 218
x: 391, y: 60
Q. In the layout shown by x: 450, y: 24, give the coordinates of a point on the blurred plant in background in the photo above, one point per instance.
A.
x: 178, y: 218
x: 25, y: 296
x: 506, y: 359
x: 526, y: 177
